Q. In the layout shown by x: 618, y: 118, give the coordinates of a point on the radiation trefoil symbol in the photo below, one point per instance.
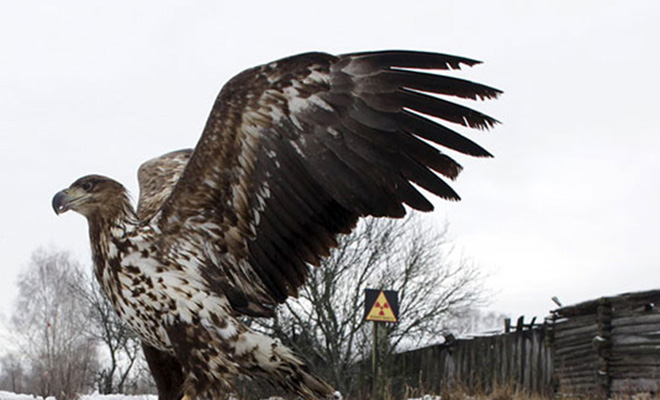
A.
x: 382, y: 307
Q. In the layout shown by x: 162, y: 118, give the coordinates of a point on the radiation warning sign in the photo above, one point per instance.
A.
x: 381, y: 305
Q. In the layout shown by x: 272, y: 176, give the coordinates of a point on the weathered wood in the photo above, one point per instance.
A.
x: 577, y: 350
x: 591, y: 365
x: 520, y: 359
x: 569, y: 327
x: 599, y: 349
x: 636, y: 348
x: 573, y: 381
x: 648, y: 360
x: 576, y: 328
x: 628, y: 386
x: 637, y: 372
x: 577, y: 376
x: 586, y: 340
x: 625, y: 349
x: 651, y: 341
x: 636, y: 320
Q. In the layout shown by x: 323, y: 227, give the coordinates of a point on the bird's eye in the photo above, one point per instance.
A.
x: 87, y: 186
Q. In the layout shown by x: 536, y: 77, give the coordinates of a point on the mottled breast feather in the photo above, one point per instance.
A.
x: 295, y: 151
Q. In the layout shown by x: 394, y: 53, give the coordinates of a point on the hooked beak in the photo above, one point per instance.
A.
x: 61, y: 202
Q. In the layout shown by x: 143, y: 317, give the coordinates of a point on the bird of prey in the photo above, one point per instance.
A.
x: 293, y: 154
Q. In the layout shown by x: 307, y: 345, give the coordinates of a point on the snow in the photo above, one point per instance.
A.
x: 96, y: 396
x: 15, y: 396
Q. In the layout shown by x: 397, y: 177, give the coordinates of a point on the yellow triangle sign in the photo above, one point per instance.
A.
x: 381, y: 311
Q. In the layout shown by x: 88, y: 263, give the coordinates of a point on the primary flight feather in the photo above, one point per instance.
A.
x: 293, y: 154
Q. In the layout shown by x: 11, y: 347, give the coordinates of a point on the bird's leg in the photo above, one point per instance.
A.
x: 166, y: 371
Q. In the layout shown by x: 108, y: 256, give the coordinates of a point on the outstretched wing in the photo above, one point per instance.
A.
x: 295, y: 151
x: 157, y: 178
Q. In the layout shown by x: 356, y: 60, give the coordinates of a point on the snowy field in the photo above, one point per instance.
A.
x: 15, y: 396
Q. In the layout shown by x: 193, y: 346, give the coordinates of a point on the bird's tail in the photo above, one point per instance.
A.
x: 281, y: 367
x: 295, y: 376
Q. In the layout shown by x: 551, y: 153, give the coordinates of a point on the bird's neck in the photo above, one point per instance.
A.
x: 110, y: 231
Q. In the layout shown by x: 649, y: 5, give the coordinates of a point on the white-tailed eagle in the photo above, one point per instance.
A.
x: 293, y: 154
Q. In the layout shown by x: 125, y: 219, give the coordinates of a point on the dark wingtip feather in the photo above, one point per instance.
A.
x: 495, y: 93
x: 413, y: 59
x: 388, y: 79
x: 446, y: 110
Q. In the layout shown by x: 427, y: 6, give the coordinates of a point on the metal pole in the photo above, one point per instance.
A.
x: 377, y: 384
x: 374, y: 359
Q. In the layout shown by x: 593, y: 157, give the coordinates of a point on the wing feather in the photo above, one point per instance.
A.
x: 296, y: 151
x: 440, y: 134
x: 391, y: 80
x: 157, y: 178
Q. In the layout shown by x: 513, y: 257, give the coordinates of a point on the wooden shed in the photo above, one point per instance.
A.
x: 607, y: 347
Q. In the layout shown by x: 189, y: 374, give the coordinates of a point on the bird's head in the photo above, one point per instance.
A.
x: 92, y: 195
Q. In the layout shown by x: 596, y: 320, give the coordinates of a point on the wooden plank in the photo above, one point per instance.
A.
x: 634, y: 340
x: 632, y: 319
x: 577, y: 319
x: 627, y: 386
x: 637, y: 328
x: 635, y: 348
x: 573, y: 373
x: 589, y: 365
x: 576, y: 349
x: 575, y: 329
x: 646, y: 360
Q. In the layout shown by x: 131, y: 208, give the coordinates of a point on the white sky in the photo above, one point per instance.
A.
x: 567, y: 207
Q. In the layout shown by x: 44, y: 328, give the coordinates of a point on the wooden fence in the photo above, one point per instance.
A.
x: 518, y: 359
x: 599, y: 349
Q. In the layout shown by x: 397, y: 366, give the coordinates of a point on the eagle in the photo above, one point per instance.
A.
x: 293, y: 154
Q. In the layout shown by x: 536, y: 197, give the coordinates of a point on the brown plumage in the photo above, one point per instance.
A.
x: 293, y: 154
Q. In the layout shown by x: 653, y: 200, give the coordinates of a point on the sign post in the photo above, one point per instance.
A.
x: 380, y: 307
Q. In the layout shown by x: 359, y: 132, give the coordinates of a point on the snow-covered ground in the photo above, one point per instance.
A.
x: 117, y: 397
x: 96, y: 396
x: 15, y: 396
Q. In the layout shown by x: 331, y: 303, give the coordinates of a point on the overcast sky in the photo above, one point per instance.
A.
x: 567, y: 207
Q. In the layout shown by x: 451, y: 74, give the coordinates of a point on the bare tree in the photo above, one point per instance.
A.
x: 325, y: 323
x: 479, y: 321
x: 49, y: 325
x: 119, y: 342
x: 12, y: 374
